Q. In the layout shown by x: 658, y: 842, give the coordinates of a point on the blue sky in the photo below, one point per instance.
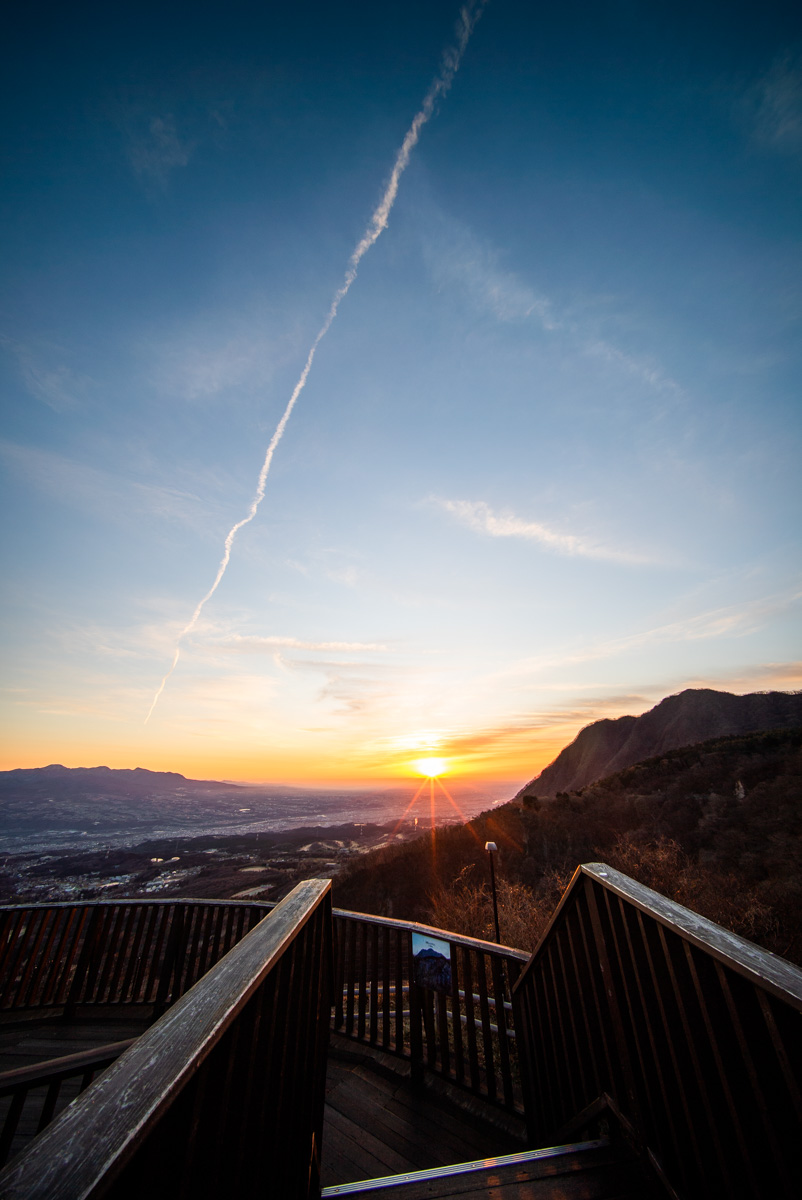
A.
x: 545, y: 466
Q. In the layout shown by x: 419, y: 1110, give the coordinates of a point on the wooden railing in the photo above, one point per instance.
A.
x: 32, y: 1096
x: 690, y: 1033
x: 60, y: 956
x: 223, y: 1095
x: 465, y: 1034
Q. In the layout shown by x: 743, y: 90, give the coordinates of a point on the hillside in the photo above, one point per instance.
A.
x: 695, y: 715
x: 715, y: 826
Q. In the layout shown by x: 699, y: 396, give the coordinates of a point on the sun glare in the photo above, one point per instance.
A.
x: 431, y: 767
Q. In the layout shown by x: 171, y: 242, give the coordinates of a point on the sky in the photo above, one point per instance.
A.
x: 544, y: 467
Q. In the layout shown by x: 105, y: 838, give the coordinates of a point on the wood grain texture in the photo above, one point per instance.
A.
x: 88, y: 1146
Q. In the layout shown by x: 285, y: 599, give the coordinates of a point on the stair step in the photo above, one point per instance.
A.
x: 592, y: 1170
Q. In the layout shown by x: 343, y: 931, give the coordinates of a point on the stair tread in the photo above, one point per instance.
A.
x: 595, y: 1171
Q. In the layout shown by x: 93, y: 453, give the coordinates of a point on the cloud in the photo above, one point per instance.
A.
x: 154, y: 155
x: 216, y: 354
x: 105, y: 493
x: 776, y: 105
x: 730, y: 621
x: 457, y: 257
x: 254, y: 644
x: 54, y: 383
x: 783, y: 677
x: 478, y: 515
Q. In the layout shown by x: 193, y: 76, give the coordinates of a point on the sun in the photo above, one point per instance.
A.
x: 431, y: 767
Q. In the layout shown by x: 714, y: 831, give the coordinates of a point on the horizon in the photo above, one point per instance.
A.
x: 543, y: 464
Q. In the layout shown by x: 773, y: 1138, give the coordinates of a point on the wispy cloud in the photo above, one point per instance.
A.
x: 244, y: 643
x: 155, y: 154
x: 730, y: 621
x: 109, y: 494
x: 756, y: 677
x: 776, y: 105
x: 519, y: 730
x: 456, y: 257
x: 217, y: 354
x: 47, y: 378
x: 480, y: 517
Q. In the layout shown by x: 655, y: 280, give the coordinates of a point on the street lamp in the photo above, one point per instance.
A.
x: 491, y: 849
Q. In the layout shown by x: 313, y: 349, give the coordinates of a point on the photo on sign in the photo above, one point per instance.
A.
x: 431, y: 957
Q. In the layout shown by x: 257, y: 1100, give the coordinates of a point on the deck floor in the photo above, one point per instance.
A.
x: 375, y: 1124
x: 25, y: 1043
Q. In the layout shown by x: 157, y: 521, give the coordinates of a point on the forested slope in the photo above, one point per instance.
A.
x: 716, y: 826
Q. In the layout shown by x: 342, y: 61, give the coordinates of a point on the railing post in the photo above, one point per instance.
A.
x: 415, y: 1023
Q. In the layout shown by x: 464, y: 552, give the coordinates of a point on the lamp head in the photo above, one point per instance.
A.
x: 491, y: 847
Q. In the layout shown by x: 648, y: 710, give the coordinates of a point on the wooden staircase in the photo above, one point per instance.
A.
x: 596, y: 1170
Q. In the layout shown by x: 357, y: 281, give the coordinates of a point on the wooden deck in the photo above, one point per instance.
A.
x: 25, y: 1043
x: 375, y: 1124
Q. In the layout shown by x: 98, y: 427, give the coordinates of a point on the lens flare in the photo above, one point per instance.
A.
x: 431, y: 767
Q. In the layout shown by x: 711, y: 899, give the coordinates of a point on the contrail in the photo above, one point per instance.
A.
x: 449, y: 66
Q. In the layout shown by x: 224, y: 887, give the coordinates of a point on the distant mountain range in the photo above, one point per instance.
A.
x: 692, y: 716
x: 58, y: 806
x: 106, y: 780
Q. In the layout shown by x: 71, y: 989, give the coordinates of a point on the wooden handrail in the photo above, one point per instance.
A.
x: 691, y: 1032
x: 60, y: 1068
x: 456, y: 939
x: 32, y: 1109
x: 212, y: 1073
x: 777, y: 975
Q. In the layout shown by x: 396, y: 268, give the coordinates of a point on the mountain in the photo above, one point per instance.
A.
x: 692, y: 716
x: 59, y: 805
x: 104, y: 780
x: 716, y: 826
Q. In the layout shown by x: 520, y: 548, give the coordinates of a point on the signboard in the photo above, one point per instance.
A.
x: 431, y: 959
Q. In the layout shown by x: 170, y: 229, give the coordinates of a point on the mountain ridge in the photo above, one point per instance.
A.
x: 684, y: 719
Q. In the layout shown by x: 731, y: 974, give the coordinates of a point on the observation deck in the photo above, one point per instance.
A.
x: 184, y: 1049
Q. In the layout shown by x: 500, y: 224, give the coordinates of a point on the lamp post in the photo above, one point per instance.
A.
x: 491, y: 849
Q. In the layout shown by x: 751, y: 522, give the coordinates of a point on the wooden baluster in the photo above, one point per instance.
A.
x: 399, y: 942
x: 496, y: 967
x: 374, y: 984
x: 362, y: 942
x: 442, y: 1018
x: 350, y: 974
x: 9, y: 939
x: 107, y: 951
x: 123, y: 955
x: 86, y: 961
x: 429, y: 1028
x: 456, y: 1017
x: 34, y: 947
x: 415, y: 1021
x: 149, y: 918
x: 47, y: 963
x: 470, y: 1026
x: 487, y: 1036
x: 386, y: 977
